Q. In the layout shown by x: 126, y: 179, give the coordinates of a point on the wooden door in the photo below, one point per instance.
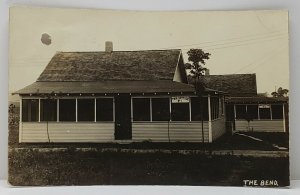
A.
x: 123, y: 126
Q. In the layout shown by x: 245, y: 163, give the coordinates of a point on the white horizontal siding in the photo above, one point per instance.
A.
x: 260, y: 125
x: 178, y: 131
x: 218, y: 128
x: 67, y: 132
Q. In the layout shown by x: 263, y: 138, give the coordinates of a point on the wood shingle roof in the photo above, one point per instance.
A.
x: 233, y: 84
x: 116, y: 65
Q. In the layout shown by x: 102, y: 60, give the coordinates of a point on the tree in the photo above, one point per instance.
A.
x: 197, y: 70
x: 197, y: 57
x: 280, y: 92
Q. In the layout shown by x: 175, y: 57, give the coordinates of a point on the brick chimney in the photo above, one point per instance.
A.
x: 108, y: 46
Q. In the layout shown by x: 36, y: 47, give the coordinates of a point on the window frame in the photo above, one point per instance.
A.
x: 22, y: 110
x: 113, y: 108
x: 206, y: 116
x: 258, y: 110
x: 40, y: 113
x: 215, y: 108
x: 77, y: 113
x: 58, y: 107
x: 282, y: 111
x: 189, y: 111
x: 150, y: 109
x: 170, y: 109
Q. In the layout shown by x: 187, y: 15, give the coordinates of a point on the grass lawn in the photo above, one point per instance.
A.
x: 32, y: 167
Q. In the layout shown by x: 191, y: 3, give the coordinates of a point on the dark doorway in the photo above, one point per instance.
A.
x: 230, y: 118
x: 123, y: 127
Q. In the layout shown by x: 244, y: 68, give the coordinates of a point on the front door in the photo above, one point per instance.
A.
x: 123, y: 127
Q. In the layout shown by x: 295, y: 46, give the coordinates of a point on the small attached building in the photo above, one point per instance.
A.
x: 245, y: 110
x: 258, y: 114
x: 118, y: 96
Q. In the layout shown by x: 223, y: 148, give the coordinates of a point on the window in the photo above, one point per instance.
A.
x: 240, y: 111
x: 229, y: 111
x: 252, y: 112
x: 277, y: 111
x: 86, y: 109
x: 180, y: 111
x: 199, y: 108
x: 214, y: 103
x: 30, y: 110
x: 104, y: 109
x: 48, y: 110
x: 160, y: 109
x: 264, y: 112
x: 67, y: 110
x: 141, y: 109
x: 222, y: 105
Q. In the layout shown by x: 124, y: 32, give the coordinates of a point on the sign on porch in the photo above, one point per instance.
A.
x: 180, y: 99
x: 264, y: 106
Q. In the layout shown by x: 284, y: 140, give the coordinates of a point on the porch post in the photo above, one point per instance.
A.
x: 150, y: 99
x: 57, y: 112
x: 131, y: 109
x: 114, y: 110
x: 283, y: 116
x: 234, y: 109
x: 190, y: 108
x: 76, y: 110
x: 209, y: 121
x: 95, y: 110
x: 39, y: 109
x: 258, y: 117
x: 20, y: 121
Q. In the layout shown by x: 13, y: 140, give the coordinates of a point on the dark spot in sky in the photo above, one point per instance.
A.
x: 46, y: 39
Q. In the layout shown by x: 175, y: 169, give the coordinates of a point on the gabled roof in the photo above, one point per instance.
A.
x: 233, y: 84
x: 115, y: 65
x: 101, y: 87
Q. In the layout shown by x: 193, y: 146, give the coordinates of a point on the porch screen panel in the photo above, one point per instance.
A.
x: 199, y: 108
x: 160, y: 109
x: 265, y: 112
x: 67, y: 110
x: 141, y: 109
x: 277, y: 111
x: 48, y: 110
x: 30, y: 110
x: 104, y: 109
x: 214, y: 103
x: 240, y: 111
x: 86, y: 109
x: 252, y: 112
x: 180, y: 111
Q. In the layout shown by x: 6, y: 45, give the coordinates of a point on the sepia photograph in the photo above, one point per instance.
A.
x: 106, y: 97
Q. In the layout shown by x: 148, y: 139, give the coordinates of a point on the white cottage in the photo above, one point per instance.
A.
x: 118, y: 96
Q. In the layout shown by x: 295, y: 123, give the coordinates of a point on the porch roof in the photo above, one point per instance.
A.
x: 110, y: 87
x: 256, y: 99
x: 159, y: 86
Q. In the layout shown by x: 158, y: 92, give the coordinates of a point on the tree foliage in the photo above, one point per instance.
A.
x: 198, y: 58
x: 280, y: 92
x: 13, y: 118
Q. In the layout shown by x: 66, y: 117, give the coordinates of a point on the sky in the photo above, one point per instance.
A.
x: 238, y: 41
